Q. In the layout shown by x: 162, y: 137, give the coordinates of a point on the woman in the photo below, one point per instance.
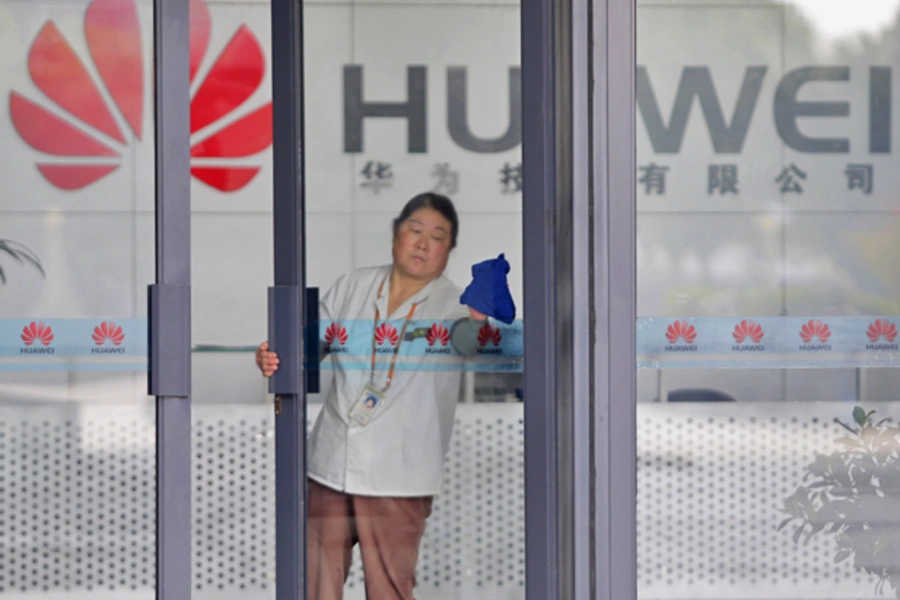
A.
x: 377, y: 449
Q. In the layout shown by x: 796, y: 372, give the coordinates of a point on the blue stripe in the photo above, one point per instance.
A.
x: 137, y: 367
x: 668, y: 343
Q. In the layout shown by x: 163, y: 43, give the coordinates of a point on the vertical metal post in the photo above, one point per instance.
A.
x: 545, y: 214
x: 286, y: 299
x: 582, y: 315
x: 614, y: 237
x: 170, y: 300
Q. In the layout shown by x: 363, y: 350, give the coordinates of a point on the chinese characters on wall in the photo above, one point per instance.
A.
x: 724, y: 179
x: 377, y: 175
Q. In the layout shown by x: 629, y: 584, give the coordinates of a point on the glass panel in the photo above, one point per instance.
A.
x: 231, y: 227
x: 438, y: 112
x: 77, y: 440
x: 767, y: 299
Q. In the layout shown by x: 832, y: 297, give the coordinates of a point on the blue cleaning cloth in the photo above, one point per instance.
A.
x: 489, y: 291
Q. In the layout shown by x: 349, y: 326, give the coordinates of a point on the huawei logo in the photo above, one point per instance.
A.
x: 438, y: 333
x: 882, y: 328
x: 489, y: 334
x: 386, y: 333
x: 37, y: 332
x: 336, y: 333
x: 748, y: 329
x: 84, y: 136
x: 681, y: 330
x: 815, y: 329
x: 108, y: 331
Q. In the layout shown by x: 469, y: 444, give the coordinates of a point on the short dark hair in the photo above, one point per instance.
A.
x: 440, y: 203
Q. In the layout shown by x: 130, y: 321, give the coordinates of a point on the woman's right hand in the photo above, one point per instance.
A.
x: 265, y: 360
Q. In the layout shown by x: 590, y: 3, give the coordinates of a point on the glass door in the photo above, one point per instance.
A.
x: 85, y: 229
x: 416, y: 179
x: 434, y: 473
x: 77, y: 428
x: 767, y: 300
x: 232, y: 420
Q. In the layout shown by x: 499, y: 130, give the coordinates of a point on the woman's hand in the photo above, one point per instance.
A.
x: 476, y: 315
x: 265, y: 360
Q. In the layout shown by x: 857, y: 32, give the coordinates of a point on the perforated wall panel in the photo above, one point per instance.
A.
x: 77, y: 510
x: 233, y: 500
x: 711, y: 482
x: 76, y: 501
x: 77, y: 516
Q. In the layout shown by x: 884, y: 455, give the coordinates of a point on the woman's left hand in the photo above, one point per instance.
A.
x: 476, y: 315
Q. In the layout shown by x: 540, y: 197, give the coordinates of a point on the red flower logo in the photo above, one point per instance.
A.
x: 489, y: 333
x: 882, y: 328
x: 108, y: 331
x: 113, y: 35
x: 37, y: 331
x: 336, y: 332
x: 681, y: 330
x: 815, y: 329
x: 386, y: 333
x: 438, y: 333
x: 748, y: 329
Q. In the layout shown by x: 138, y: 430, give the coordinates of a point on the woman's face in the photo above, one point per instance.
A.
x: 422, y: 244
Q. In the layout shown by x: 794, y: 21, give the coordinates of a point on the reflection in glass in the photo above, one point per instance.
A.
x: 454, y: 130
x: 77, y: 430
x: 767, y: 303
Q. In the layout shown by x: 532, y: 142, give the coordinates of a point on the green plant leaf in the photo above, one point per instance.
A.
x: 840, y: 471
x: 868, y: 465
x: 784, y: 523
x: 20, y: 254
x: 859, y: 415
x: 845, y: 426
x: 815, y: 529
x: 842, y: 556
x: 849, y: 442
x: 804, y: 502
x: 895, y: 583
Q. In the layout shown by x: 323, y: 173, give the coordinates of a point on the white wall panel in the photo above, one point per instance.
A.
x: 330, y: 173
x: 232, y: 268
x: 669, y: 43
x: 330, y: 242
x: 708, y: 265
x: 485, y: 40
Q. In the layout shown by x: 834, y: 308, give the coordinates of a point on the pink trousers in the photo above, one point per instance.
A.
x: 388, y: 531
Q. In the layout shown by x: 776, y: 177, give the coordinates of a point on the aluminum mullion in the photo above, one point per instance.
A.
x: 287, y: 300
x: 170, y: 346
x: 622, y: 207
x: 539, y: 258
x: 583, y: 576
x: 615, y: 298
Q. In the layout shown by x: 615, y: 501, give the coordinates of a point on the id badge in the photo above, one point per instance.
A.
x: 369, y: 400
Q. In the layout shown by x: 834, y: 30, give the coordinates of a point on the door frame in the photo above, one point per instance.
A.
x: 578, y: 63
x: 605, y: 67
x: 286, y: 300
x: 169, y: 299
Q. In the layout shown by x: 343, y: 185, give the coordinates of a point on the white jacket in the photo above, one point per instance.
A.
x: 400, y: 452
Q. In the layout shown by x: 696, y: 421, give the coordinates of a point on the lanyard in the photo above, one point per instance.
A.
x: 390, y: 376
